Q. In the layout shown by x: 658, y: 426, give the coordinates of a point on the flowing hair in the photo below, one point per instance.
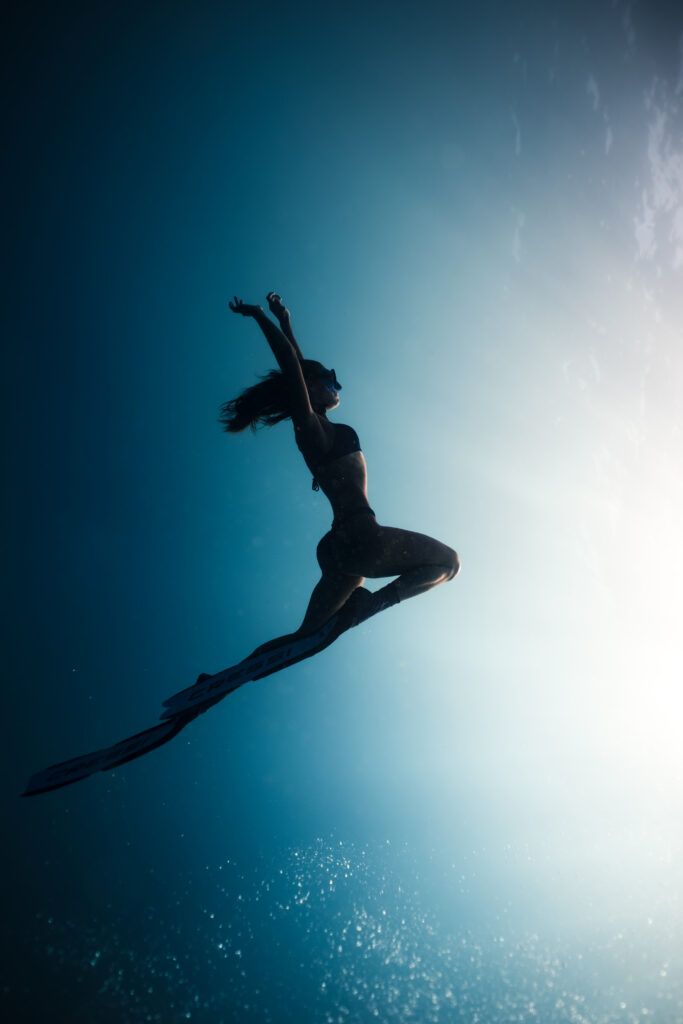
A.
x: 267, y: 402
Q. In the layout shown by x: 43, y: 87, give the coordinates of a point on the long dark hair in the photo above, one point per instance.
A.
x: 267, y: 402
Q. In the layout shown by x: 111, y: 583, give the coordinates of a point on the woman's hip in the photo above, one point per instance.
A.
x: 352, y: 536
x: 360, y: 546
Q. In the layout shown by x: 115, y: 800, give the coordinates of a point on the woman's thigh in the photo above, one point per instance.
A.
x: 373, y: 550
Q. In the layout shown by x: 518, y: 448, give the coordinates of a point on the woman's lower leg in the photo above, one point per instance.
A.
x: 363, y: 604
x: 274, y: 643
x: 421, y: 579
x: 331, y: 594
x: 328, y: 596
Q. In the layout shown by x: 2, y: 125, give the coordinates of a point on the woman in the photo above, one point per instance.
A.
x: 357, y: 546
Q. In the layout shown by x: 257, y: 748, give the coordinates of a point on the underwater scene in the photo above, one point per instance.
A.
x: 343, y: 376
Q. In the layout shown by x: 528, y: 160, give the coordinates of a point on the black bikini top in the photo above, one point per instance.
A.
x: 345, y: 441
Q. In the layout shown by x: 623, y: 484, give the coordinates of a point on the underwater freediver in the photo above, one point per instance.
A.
x: 356, y: 546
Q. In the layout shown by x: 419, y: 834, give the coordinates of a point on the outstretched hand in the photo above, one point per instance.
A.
x: 276, y: 305
x: 237, y: 306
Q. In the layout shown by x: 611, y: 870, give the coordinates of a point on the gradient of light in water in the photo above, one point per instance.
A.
x: 477, y: 221
x: 343, y: 931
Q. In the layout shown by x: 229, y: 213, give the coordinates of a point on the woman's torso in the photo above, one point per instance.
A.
x: 340, y: 471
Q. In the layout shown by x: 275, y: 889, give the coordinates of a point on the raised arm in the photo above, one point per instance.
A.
x: 289, y: 362
x: 283, y: 349
x: 279, y: 310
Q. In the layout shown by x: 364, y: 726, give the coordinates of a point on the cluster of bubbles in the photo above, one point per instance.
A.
x: 337, y: 933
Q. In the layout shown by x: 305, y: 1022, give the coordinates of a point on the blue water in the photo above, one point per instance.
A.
x: 467, y: 809
x: 338, y: 931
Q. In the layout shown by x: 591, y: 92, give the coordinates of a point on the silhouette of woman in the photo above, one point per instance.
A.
x: 356, y: 546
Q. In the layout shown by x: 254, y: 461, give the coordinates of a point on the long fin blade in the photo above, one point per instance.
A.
x: 66, y: 772
x: 219, y: 685
x: 184, y: 707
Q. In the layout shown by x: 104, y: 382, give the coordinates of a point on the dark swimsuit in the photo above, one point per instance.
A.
x: 338, y: 522
x: 337, y: 551
x: 345, y: 442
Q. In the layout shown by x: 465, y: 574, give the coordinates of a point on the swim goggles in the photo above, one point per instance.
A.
x: 330, y: 379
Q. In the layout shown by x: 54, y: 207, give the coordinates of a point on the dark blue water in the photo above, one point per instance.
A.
x: 336, y: 931
x: 468, y: 809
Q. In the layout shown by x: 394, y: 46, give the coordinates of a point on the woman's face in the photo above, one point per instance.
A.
x: 324, y: 391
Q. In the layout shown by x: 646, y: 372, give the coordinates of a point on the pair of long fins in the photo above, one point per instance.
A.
x: 184, y: 707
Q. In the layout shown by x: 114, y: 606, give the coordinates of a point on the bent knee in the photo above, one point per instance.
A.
x: 453, y: 564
